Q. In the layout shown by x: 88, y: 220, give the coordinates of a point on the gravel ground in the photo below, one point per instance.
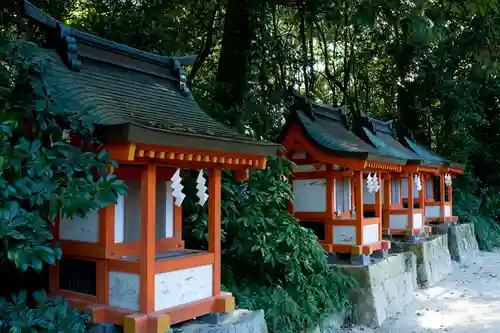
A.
x: 468, y: 300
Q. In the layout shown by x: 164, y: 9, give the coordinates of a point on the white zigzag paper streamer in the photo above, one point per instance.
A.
x: 417, y: 182
x: 177, y: 188
x: 202, y: 188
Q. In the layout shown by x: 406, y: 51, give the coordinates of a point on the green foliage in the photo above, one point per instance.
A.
x: 269, y: 260
x: 42, y: 173
x: 48, y: 315
x: 48, y: 168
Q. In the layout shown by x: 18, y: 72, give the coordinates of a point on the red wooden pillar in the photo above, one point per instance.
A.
x: 147, y: 258
x: 441, y: 195
x: 387, y: 201
x: 358, y: 197
x: 410, y: 201
x: 330, y: 196
x: 330, y: 204
x: 401, y: 191
x: 178, y: 219
x: 378, y: 197
x: 214, y: 225
x: 422, y: 193
x: 378, y: 204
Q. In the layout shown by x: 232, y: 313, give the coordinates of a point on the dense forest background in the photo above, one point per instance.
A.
x: 431, y: 63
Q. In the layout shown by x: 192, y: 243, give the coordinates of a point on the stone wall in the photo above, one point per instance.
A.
x: 462, y: 242
x: 386, y: 286
x: 433, y: 258
x: 239, y: 321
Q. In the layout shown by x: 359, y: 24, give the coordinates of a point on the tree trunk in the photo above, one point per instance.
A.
x: 234, y: 56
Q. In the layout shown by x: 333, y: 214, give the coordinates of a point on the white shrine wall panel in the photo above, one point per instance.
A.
x: 447, y: 211
x: 183, y: 286
x: 344, y: 234
x: 80, y: 229
x: 418, y: 221
x: 124, y: 290
x: 371, y: 233
x: 395, y: 191
x: 342, y: 194
x: 432, y: 211
x: 429, y: 184
x: 398, y: 221
x: 309, y: 195
x: 128, y: 213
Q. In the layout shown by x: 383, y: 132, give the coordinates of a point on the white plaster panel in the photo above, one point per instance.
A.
x: 368, y: 198
x: 80, y: 229
x: 124, y: 290
x: 164, y: 210
x: 432, y: 211
x: 120, y: 220
x: 183, y: 286
x: 344, y: 234
x: 309, y: 195
x: 128, y: 213
x: 371, y: 233
x: 417, y: 221
x: 337, y: 202
x: 429, y: 184
x: 308, y: 168
x: 382, y: 189
x: 395, y: 191
x: 405, y: 189
x: 398, y: 221
x: 447, y: 211
x: 342, y: 194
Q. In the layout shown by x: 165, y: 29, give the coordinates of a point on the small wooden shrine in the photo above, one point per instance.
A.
x: 398, y: 219
x: 127, y: 264
x: 438, y: 184
x: 333, y: 168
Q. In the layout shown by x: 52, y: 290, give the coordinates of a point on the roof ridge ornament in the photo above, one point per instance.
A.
x: 181, y: 75
x: 67, y: 48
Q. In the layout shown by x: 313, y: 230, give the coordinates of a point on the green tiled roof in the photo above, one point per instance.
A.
x: 381, y: 135
x: 425, y: 153
x: 326, y: 126
x: 332, y: 135
x: 114, y: 95
x: 132, y: 95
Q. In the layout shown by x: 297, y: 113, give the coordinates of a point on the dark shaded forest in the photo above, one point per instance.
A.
x: 432, y: 64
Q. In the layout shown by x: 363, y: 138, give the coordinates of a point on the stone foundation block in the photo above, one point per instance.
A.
x: 239, y: 321
x: 433, y: 258
x: 332, y: 324
x: 386, y: 286
x: 462, y: 242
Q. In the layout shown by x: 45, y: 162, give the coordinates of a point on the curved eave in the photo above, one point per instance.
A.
x: 296, y: 134
x: 360, y: 155
x: 151, y: 136
x: 182, y: 157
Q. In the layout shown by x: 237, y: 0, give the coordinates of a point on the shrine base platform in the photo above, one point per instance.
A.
x: 386, y: 286
x: 243, y: 321
x: 462, y: 242
x: 433, y: 257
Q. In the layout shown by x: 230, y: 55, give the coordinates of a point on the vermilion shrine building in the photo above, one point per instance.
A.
x: 329, y: 180
x: 438, y: 184
x: 335, y: 165
x: 127, y: 263
x: 399, y: 217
